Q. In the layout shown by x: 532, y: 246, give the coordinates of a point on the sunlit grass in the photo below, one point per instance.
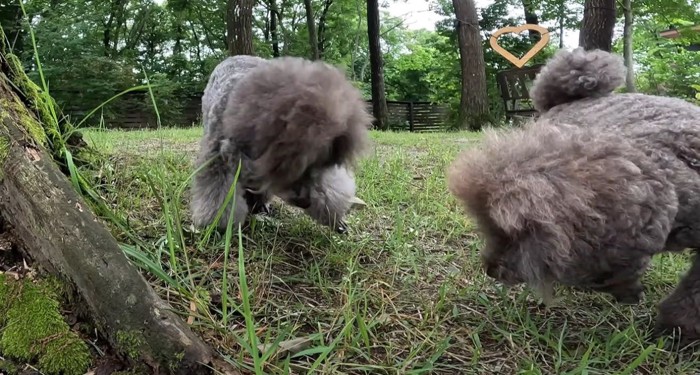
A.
x: 403, y: 293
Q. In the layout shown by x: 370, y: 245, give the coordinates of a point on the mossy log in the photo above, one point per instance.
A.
x: 57, y: 229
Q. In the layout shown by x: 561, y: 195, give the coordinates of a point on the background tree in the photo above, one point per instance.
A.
x: 379, y: 107
x: 424, y: 68
x: 311, y: 26
x: 322, y: 25
x: 473, y: 107
x: 241, y: 26
x: 597, y: 25
x: 10, y: 19
x: 627, y: 49
x: 92, y: 50
x: 274, y: 33
x: 531, y: 18
x: 665, y: 66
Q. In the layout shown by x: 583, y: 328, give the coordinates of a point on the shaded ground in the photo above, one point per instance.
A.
x: 401, y: 294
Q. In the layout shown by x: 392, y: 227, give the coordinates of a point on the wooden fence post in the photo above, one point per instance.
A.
x: 410, y: 116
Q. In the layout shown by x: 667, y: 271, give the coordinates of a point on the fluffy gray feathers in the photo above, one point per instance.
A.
x: 222, y: 82
x: 589, y: 192
x: 575, y: 75
x: 566, y: 204
x: 295, y: 126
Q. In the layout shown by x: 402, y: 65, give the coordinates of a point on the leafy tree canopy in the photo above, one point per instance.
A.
x: 93, y: 49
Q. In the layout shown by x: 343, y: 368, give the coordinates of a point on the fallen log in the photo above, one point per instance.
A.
x: 56, y: 228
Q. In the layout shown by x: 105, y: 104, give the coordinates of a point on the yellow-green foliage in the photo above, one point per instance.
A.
x: 2, y: 40
x: 34, y: 329
x: 28, y: 123
x: 37, y: 102
x: 4, y: 145
x: 8, y: 367
x: 4, y: 148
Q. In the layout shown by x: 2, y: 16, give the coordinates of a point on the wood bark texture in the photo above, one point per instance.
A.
x: 311, y: 26
x: 56, y: 228
x: 627, y: 48
x: 598, y: 25
x: 473, y: 106
x: 379, y: 107
x: 240, y: 26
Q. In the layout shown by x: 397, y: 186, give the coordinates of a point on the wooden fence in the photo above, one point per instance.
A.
x: 134, y: 111
x: 137, y: 117
x: 416, y: 116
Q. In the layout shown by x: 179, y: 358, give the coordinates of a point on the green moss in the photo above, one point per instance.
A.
x: 54, y: 285
x: 42, y: 104
x: 28, y: 123
x: 129, y: 343
x: 175, y: 362
x: 8, y: 367
x: 39, y: 114
x: 2, y: 41
x: 4, y: 150
x: 66, y: 355
x: 34, y: 329
x: 6, y: 294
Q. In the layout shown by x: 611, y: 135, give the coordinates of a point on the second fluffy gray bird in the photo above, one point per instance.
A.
x: 589, y: 192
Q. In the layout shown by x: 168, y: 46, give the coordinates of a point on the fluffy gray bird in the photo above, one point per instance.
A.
x: 295, y: 126
x: 586, y: 194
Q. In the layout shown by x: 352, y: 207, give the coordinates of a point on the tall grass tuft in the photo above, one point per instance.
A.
x: 175, y: 275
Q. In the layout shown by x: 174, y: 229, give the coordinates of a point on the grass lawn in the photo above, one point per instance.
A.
x: 403, y: 293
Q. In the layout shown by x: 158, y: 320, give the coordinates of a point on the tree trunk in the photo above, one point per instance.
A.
x: 240, y: 27
x: 55, y: 227
x: 177, y: 49
x: 562, y: 13
x: 119, y: 25
x: 266, y: 30
x: 322, y: 27
x: 598, y: 25
x: 231, y: 26
x: 473, y: 106
x: 379, y: 108
x: 107, y: 35
x: 627, y: 39
x: 274, y: 19
x: 531, y: 18
x: 311, y: 25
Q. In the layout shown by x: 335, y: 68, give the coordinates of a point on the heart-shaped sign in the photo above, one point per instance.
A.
x: 519, y: 62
